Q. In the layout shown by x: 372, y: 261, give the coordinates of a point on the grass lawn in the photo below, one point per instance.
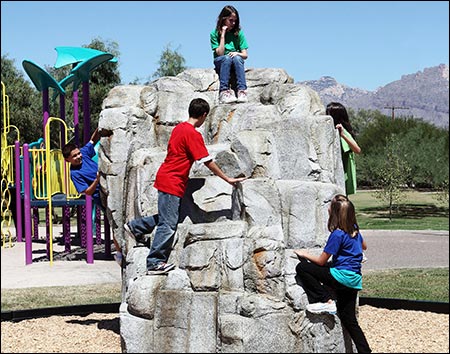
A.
x: 418, y: 211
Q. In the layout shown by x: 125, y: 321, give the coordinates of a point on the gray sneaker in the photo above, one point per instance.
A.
x: 161, y: 268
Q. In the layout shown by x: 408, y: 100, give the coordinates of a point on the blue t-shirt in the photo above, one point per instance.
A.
x: 82, y: 176
x: 347, y: 256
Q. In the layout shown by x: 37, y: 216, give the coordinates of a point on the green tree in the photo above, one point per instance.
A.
x: 423, y: 146
x: 392, y: 175
x: 171, y: 63
x: 25, y: 103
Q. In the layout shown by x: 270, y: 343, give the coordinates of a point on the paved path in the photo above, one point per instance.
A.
x: 386, y: 249
x: 15, y: 274
x: 406, y: 249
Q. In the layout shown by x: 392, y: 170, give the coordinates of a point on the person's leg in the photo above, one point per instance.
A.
x: 143, y: 226
x: 346, y: 308
x: 223, y: 68
x: 312, y: 276
x: 238, y: 64
x: 168, y: 211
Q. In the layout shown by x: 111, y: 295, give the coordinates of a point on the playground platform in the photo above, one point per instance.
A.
x: 69, y: 270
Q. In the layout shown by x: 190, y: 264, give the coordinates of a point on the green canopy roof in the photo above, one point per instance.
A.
x: 41, y: 78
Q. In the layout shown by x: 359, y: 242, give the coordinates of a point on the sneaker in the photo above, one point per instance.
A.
x: 161, y: 268
x: 227, y: 96
x: 242, y: 96
x: 322, y: 307
x: 138, y: 239
x: 118, y: 258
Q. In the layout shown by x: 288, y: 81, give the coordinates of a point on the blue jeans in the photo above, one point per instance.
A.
x: 143, y: 226
x: 168, y: 215
x: 223, y: 66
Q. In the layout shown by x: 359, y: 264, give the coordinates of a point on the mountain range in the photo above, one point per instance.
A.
x: 424, y: 94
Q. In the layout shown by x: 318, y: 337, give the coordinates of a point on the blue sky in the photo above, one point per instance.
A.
x: 365, y: 44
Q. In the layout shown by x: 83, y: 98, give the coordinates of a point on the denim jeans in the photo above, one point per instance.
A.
x: 143, y: 226
x: 168, y: 215
x: 223, y: 65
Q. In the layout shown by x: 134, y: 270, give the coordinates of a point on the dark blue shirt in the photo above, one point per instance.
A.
x: 82, y: 176
x: 346, y: 250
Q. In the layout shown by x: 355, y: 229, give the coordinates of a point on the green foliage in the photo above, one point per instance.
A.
x: 25, y: 103
x: 418, y: 211
x: 423, y: 147
x: 171, y: 63
x: 442, y: 193
x: 392, y: 175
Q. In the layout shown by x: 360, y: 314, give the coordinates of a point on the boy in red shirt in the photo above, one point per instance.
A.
x: 185, y: 146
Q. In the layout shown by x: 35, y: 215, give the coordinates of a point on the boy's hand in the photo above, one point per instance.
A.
x: 236, y: 180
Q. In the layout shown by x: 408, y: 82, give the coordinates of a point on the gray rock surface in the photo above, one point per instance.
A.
x: 234, y: 289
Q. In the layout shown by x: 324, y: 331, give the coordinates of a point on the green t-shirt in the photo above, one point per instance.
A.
x: 233, y: 43
x: 348, y: 161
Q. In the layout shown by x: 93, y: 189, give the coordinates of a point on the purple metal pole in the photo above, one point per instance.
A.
x: 47, y: 231
x: 89, y: 235
x: 107, y: 232
x: 18, y: 198
x: 75, y: 117
x: 45, y: 108
x: 86, y: 113
x: 66, y: 228
x: 62, y: 114
x: 27, y: 205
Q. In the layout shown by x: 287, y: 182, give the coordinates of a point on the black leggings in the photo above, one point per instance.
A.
x: 315, y: 278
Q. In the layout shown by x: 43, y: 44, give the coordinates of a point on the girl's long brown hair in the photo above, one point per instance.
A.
x: 227, y: 11
x: 342, y: 215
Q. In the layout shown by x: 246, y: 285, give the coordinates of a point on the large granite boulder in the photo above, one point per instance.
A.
x: 234, y: 288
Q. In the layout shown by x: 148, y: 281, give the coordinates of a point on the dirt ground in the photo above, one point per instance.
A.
x: 387, y: 331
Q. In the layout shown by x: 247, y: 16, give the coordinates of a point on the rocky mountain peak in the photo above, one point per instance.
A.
x: 425, y: 93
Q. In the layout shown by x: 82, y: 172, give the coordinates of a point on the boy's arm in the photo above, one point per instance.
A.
x: 218, y: 172
x: 95, y: 137
x: 91, y: 189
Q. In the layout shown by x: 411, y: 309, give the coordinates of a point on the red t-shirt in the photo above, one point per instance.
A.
x: 185, y: 146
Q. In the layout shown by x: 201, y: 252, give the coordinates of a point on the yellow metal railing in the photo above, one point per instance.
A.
x: 57, y: 176
x: 7, y: 170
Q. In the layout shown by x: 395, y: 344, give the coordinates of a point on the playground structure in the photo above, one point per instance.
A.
x: 36, y: 175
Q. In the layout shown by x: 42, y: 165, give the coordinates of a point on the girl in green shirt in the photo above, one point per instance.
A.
x: 229, y: 47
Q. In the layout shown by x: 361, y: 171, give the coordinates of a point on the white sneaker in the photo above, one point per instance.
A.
x: 322, y: 307
x: 242, y: 96
x: 227, y: 96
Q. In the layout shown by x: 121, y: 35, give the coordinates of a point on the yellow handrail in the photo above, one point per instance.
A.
x: 7, y: 169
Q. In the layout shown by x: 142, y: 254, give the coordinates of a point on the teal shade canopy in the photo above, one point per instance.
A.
x: 67, y: 81
x: 83, y: 69
x: 73, y: 55
x: 41, y: 78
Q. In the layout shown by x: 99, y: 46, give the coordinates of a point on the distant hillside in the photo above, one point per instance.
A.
x: 425, y: 94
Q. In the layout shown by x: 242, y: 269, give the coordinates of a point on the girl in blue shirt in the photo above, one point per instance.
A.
x: 343, y: 274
